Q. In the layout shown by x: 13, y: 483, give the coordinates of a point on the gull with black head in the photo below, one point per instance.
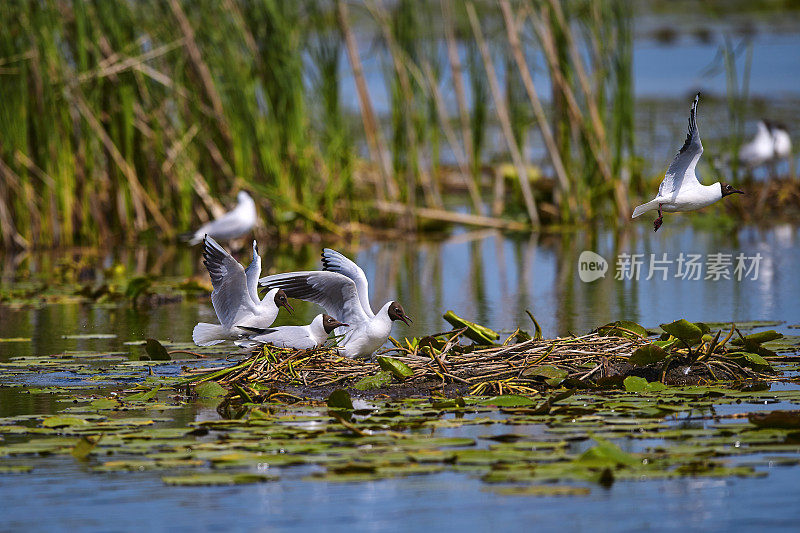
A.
x: 235, y: 296
x: 680, y: 190
x: 343, y: 293
x: 300, y: 337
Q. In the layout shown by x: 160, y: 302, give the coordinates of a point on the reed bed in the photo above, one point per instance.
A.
x: 129, y: 120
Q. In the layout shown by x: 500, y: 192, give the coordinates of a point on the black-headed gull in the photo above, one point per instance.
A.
x: 781, y: 142
x: 761, y: 149
x: 300, y: 337
x: 235, y: 297
x: 680, y: 190
x: 343, y: 294
x: 232, y: 224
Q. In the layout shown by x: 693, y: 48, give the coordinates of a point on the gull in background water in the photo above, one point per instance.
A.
x: 299, y: 337
x: 343, y: 292
x: 781, y: 142
x: 235, y: 223
x: 761, y: 149
x: 680, y: 190
x: 235, y: 297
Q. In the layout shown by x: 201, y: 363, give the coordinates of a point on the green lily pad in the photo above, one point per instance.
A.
x: 380, y: 379
x: 63, y: 421
x: 475, y: 332
x: 194, y: 480
x: 340, y: 399
x: 399, y: 369
x: 751, y: 360
x: 684, y: 330
x: 647, y: 354
x: 759, y: 338
x: 623, y: 328
x: 539, y: 490
x: 210, y: 389
x: 508, y: 400
x: 156, y: 351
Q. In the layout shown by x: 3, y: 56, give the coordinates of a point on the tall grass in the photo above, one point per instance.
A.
x: 131, y: 120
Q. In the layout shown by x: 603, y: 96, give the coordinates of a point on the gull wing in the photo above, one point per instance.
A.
x: 252, y: 273
x: 333, y: 261
x: 230, y: 295
x: 335, y: 292
x: 681, y: 173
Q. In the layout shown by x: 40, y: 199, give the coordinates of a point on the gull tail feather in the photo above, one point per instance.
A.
x: 644, y: 208
x: 205, y: 334
x: 190, y: 237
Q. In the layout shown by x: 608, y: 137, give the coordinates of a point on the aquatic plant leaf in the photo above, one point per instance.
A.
x: 546, y: 371
x: 143, y: 396
x: 508, y: 400
x: 84, y: 447
x: 606, y: 453
x: 449, y: 404
x: 635, y: 384
x: 156, y: 351
x: 622, y: 328
x: 539, y: 490
x: 475, y: 332
x: 751, y: 360
x: 399, y: 369
x: 380, y: 379
x: 684, y: 330
x: 759, y: 338
x: 210, y: 389
x: 63, y: 421
x: 215, y: 478
x: 104, y: 404
x: 776, y: 419
x: 340, y: 399
x: 15, y: 469
x: 647, y: 354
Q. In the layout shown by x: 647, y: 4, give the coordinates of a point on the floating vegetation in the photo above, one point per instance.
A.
x: 619, y: 354
x: 528, y: 417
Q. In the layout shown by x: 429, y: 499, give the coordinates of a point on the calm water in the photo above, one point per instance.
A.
x: 483, y: 276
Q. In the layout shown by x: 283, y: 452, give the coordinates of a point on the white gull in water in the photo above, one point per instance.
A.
x: 343, y: 294
x: 680, y: 190
x: 761, y: 149
x: 235, y: 297
x: 232, y: 224
x: 300, y: 337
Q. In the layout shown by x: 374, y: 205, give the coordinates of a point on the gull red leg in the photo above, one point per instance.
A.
x: 657, y: 223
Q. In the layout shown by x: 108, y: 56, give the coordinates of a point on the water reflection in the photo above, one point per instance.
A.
x: 482, y: 275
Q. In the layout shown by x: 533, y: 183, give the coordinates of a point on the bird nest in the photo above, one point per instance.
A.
x: 439, y: 362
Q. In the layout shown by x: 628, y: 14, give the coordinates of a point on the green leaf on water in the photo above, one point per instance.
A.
x: 340, y: 399
x: 639, y: 384
x: 399, y: 369
x: 475, y: 332
x: 380, y: 379
x: 606, y: 454
x: 194, y: 480
x: 751, y: 360
x: 156, y: 351
x: 759, y: 338
x: 84, y: 447
x: 63, y: 421
x: 546, y: 371
x: 647, y: 354
x: 143, y: 396
x: 684, y: 330
x: 508, y: 400
x: 539, y: 490
x: 104, y: 403
x: 210, y: 389
x: 622, y: 328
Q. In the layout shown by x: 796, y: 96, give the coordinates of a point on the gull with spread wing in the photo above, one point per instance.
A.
x: 300, y: 337
x: 235, y: 297
x: 232, y: 224
x: 680, y: 190
x: 342, y: 290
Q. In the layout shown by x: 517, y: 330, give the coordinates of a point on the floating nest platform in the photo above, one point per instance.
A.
x: 442, y: 364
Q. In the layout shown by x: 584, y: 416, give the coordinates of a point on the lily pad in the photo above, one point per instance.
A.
x: 380, y: 379
x: 399, y: 369
x: 684, y: 330
x: 210, y: 389
x: 195, y: 480
x: 508, y: 400
x: 156, y: 350
x: 647, y: 354
x: 340, y: 399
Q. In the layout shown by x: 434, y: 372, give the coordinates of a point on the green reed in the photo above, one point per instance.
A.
x: 131, y: 120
